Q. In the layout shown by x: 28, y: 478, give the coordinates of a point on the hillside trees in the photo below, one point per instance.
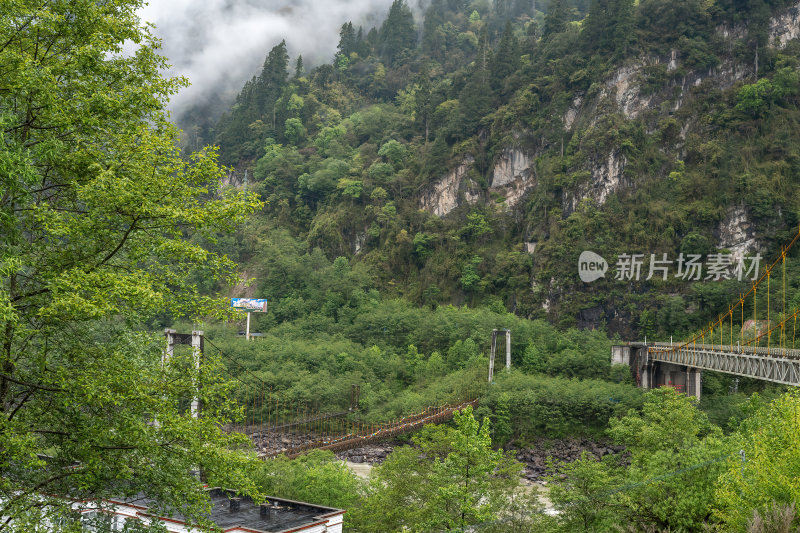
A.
x: 676, y: 457
x: 95, y: 205
x: 254, y: 115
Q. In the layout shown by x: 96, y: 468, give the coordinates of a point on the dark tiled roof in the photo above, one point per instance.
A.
x: 229, y: 511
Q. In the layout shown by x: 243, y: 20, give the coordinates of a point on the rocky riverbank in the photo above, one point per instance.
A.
x: 534, y: 458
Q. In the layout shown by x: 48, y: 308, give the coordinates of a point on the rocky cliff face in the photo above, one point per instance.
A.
x: 785, y: 27
x: 514, y: 171
x: 736, y: 233
x: 607, y: 177
x: 448, y: 193
x: 513, y: 175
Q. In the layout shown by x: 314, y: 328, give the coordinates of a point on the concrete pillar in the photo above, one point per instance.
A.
x: 168, y: 353
x: 508, y: 349
x: 197, y: 351
x: 645, y: 369
x: 694, y: 384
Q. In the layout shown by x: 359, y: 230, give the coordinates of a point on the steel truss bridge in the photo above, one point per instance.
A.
x: 756, y: 338
x: 777, y: 365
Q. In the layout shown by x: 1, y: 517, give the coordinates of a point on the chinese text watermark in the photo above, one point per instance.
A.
x: 687, y: 267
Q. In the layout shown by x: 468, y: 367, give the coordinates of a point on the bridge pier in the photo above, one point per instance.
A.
x: 649, y: 374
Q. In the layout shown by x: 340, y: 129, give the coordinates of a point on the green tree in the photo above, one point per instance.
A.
x: 294, y: 131
x: 555, y: 21
x: 608, y: 28
x: 767, y: 472
x: 395, y: 153
x: 453, y: 481
x: 347, y: 40
x: 94, y: 206
x: 398, y: 32
x: 670, y: 435
x: 256, y: 102
x: 582, y: 492
x: 503, y: 430
x: 317, y: 476
x: 472, y: 480
x: 505, y: 59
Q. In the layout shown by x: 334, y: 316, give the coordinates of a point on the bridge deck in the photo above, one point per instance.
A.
x: 777, y: 365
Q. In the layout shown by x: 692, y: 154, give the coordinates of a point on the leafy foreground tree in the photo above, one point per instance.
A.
x: 317, y: 477
x: 450, y: 480
x: 762, y: 485
x: 95, y: 203
x: 676, y: 457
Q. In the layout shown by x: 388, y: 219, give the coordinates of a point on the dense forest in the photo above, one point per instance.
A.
x: 468, y: 156
x: 437, y: 179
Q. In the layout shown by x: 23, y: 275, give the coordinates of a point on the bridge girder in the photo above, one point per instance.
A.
x: 759, y: 363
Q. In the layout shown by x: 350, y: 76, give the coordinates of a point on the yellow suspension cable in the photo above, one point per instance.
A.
x: 769, y: 324
x: 741, y: 330
x: 755, y: 327
x: 730, y: 312
x: 783, y: 308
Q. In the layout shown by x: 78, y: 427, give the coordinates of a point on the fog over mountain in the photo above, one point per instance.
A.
x: 218, y: 44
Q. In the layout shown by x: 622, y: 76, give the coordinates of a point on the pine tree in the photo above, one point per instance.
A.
x: 505, y: 60
x: 433, y: 41
x: 347, y: 40
x: 596, y: 27
x: 299, y: 69
x: 256, y: 102
x: 362, y: 47
x: 398, y: 32
x: 272, y: 81
x: 623, y: 35
x: 423, y: 102
x: 608, y: 28
x: 555, y: 21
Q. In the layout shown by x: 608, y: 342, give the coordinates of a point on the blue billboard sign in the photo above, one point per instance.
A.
x: 251, y: 305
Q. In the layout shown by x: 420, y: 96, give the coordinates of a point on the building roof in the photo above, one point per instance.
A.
x: 233, y: 513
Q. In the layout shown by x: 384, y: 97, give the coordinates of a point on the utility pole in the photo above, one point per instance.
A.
x: 492, y: 354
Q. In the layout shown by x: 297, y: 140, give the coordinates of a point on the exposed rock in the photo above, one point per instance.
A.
x: 607, y: 178
x: 443, y: 196
x: 358, y: 242
x: 471, y: 196
x: 561, y: 451
x: 371, y: 454
x: 512, y: 174
x: 785, y: 27
x: 627, y: 94
x: 244, y: 288
x: 572, y: 113
x: 736, y: 233
x: 673, y: 60
x: 530, y: 247
x: 535, y: 458
x: 512, y: 164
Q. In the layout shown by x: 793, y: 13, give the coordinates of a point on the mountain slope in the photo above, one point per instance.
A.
x: 471, y: 156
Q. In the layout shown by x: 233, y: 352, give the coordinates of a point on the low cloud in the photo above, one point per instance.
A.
x: 219, y: 44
